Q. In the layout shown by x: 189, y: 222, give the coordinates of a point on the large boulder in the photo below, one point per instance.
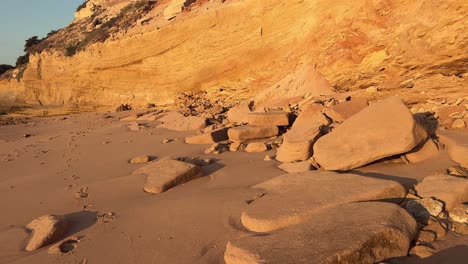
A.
x: 46, y: 230
x: 450, y: 190
x: 247, y: 132
x: 274, y: 118
x: 292, y: 198
x: 166, y: 174
x: 383, y: 129
x: 179, y: 122
x: 209, y: 137
x: 367, y: 232
x: 298, y: 141
x: 342, y: 111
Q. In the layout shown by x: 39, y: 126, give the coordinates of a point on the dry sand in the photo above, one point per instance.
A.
x: 77, y: 165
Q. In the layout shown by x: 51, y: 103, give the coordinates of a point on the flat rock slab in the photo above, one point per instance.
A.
x: 46, y: 230
x: 291, y: 198
x: 178, y: 122
x: 295, y: 167
x: 298, y: 141
x: 457, y: 144
x: 381, y: 130
x: 247, y: 132
x: 208, y: 138
x: 166, y: 174
x: 276, y: 118
x: 449, y: 189
x: 366, y: 232
x: 342, y: 111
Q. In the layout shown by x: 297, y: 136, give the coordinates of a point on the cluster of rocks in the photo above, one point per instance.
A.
x: 448, y: 113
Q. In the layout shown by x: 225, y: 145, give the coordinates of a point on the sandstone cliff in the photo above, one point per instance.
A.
x: 245, y: 46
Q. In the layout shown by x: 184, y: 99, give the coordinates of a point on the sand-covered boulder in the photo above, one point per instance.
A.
x: 292, y: 198
x: 383, y: 129
x: 208, y: 137
x: 247, y: 132
x: 179, y: 122
x: 367, y: 232
x: 456, y: 143
x: 342, y: 111
x: 46, y: 230
x: 424, y: 151
x: 298, y: 141
x: 273, y: 118
x: 166, y: 174
x: 448, y: 189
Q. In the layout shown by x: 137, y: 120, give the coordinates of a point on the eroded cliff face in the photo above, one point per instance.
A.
x: 245, y: 46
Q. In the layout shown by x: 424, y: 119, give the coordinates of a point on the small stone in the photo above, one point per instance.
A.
x: 167, y: 140
x: 267, y: 158
x: 234, y: 146
x: 256, y: 147
x: 459, y: 123
x: 140, y: 160
x: 208, y: 137
x: 46, y: 229
x: 422, y: 209
x: 458, y: 171
x: 216, y: 148
x: 372, y: 89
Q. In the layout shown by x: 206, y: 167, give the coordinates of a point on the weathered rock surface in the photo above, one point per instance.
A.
x: 248, y: 132
x: 256, y: 147
x: 366, y: 232
x: 178, y: 122
x: 275, y: 118
x: 209, y: 137
x: 342, y: 111
x: 174, y: 8
x: 296, y: 167
x: 298, y: 141
x: 292, y: 198
x: 167, y: 173
x: 457, y: 145
x: 383, y: 129
x: 388, y: 47
x: 134, y: 126
x: 424, y: 151
x: 46, y: 230
x: 448, y: 189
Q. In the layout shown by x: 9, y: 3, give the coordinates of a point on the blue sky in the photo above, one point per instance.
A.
x: 21, y: 19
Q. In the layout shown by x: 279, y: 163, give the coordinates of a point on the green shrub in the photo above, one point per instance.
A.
x: 71, y: 50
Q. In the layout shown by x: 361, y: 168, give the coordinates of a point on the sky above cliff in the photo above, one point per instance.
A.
x: 21, y: 19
